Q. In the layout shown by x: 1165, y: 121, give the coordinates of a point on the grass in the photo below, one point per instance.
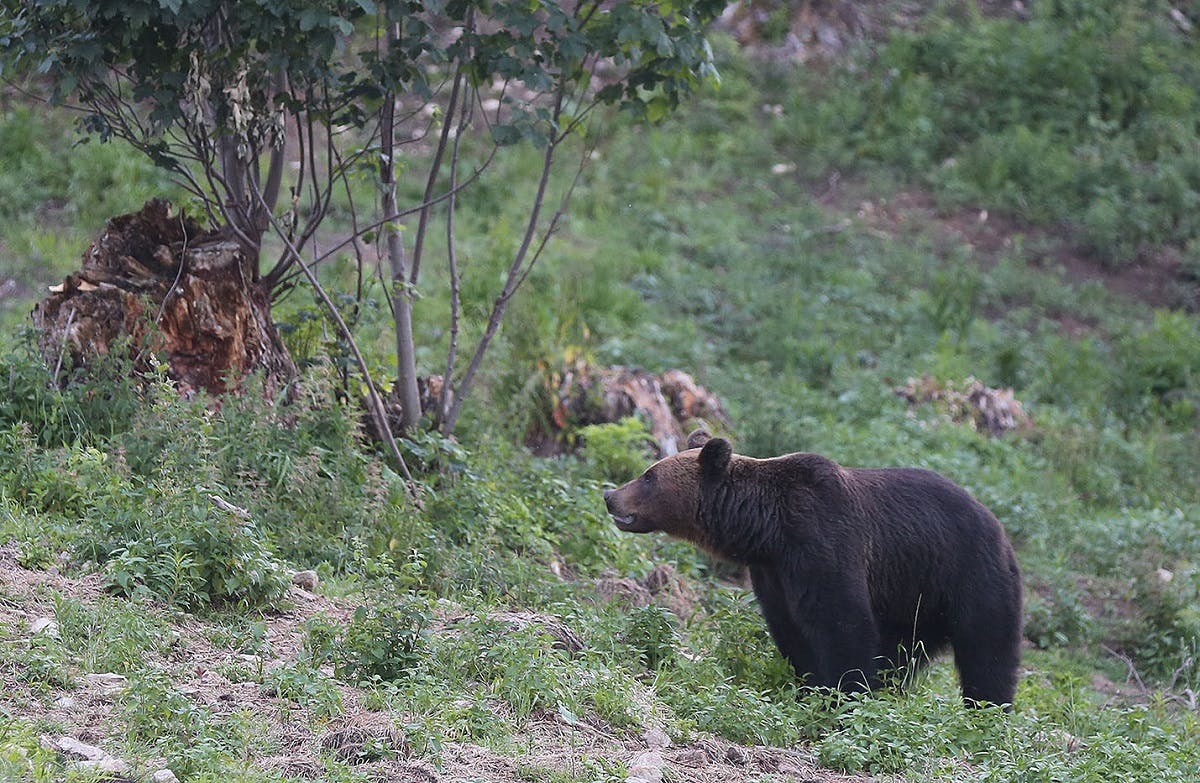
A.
x: 1082, y: 116
x: 684, y: 249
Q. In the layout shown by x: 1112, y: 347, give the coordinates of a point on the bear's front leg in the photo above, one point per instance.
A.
x: 773, y: 602
x: 833, y: 613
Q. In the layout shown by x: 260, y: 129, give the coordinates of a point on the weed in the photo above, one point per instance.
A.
x: 383, y: 643
x: 22, y: 757
x: 110, y: 635
x: 304, y: 686
x: 652, y: 635
x: 186, y: 733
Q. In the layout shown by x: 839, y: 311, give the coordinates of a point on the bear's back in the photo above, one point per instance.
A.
x: 930, y: 543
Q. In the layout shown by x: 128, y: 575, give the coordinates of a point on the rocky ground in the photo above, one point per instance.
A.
x: 83, y: 721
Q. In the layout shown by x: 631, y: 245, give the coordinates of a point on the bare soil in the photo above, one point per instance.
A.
x: 1155, y: 278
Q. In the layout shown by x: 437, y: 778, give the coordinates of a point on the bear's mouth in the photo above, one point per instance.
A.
x: 625, y: 521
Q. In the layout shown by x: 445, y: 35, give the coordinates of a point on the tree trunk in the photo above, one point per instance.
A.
x: 402, y: 290
x: 172, y: 290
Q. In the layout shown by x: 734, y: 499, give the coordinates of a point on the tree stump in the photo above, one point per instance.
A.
x: 157, y: 283
x: 579, y: 394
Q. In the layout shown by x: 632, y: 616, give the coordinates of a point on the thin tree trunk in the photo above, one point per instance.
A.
x: 517, y: 272
x: 402, y: 291
x: 434, y: 169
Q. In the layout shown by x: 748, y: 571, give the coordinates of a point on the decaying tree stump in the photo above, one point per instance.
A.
x: 993, y: 411
x: 156, y: 283
x: 670, y: 403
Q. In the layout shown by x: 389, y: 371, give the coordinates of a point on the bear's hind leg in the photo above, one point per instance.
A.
x: 987, y: 662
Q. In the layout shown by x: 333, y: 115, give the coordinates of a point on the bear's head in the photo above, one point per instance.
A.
x: 666, y: 497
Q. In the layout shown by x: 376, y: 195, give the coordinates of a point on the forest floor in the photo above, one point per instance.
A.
x: 297, y: 743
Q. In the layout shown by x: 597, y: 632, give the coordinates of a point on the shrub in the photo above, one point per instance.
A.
x: 1161, y: 369
x: 383, y: 643
x: 1169, y: 646
x: 617, y: 451
x: 179, y: 547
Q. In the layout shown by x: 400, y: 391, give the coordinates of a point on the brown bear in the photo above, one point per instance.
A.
x: 857, y: 571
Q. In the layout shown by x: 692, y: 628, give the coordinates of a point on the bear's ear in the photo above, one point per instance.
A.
x: 714, y: 459
x: 698, y: 438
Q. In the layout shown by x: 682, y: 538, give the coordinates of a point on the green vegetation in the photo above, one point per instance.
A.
x: 685, y: 248
x: 1084, y: 115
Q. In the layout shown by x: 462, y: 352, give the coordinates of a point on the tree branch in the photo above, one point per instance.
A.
x: 434, y: 169
x: 516, y: 273
x: 374, y: 400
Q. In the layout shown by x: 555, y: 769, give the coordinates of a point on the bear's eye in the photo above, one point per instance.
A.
x: 648, y: 477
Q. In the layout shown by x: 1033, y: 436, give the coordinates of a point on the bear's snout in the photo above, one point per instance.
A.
x: 623, y: 516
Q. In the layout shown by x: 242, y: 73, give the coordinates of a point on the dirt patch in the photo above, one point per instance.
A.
x: 1155, y: 278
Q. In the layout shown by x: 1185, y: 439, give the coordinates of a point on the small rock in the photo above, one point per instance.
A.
x: 306, y: 580
x: 646, y: 767
x: 74, y: 749
x: 106, y: 683
x: 108, y: 764
x: 656, y: 738
x: 163, y: 776
x: 45, y: 625
x: 65, y: 702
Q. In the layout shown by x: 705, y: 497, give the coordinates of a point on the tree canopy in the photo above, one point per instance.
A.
x: 206, y: 86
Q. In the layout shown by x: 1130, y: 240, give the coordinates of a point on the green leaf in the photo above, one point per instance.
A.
x: 506, y: 135
x: 568, y: 717
x: 657, y: 108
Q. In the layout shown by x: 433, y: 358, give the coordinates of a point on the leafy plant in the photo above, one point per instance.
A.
x: 305, y: 686
x: 187, y: 733
x: 652, y: 635
x: 205, y: 557
x: 383, y: 643
x: 617, y: 451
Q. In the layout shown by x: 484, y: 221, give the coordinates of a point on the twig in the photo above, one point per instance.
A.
x: 225, y: 505
x: 1132, y: 673
x: 62, y: 346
